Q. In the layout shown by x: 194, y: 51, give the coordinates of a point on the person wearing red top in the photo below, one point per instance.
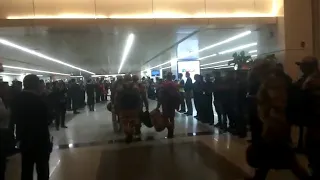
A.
x: 169, y: 99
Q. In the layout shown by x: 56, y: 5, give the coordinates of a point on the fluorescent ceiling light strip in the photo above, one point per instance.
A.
x: 211, y: 46
x: 108, y: 75
x: 238, y: 48
x: 226, y: 41
x: 35, y: 70
x: 166, y: 68
x: 159, y: 65
x: 255, y: 55
x: 205, y: 57
x: 217, y: 67
x: 126, y: 51
x: 76, y: 76
x: 218, y: 62
x: 8, y: 43
x: 12, y: 74
x: 225, y: 67
x: 253, y: 51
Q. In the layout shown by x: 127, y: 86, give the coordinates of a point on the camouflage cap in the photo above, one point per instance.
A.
x: 308, y: 60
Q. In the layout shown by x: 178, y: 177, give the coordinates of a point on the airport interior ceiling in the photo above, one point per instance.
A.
x: 113, y: 49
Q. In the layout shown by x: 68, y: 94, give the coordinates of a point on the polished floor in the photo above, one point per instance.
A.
x: 89, y: 149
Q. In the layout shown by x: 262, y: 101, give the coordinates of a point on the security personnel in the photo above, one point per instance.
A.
x: 310, y: 105
x: 181, y: 91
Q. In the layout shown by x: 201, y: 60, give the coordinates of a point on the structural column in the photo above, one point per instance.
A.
x: 298, y: 35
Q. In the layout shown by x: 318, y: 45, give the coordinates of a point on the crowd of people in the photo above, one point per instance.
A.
x: 28, y: 109
x: 263, y: 101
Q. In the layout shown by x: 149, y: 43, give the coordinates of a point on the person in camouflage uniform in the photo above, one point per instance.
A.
x: 274, y: 149
x: 310, y: 110
x: 128, y: 106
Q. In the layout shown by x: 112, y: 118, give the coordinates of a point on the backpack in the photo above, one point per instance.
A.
x: 128, y: 97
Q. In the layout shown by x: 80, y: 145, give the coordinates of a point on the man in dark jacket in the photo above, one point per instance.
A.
x: 208, y: 89
x: 90, y: 87
x: 75, y: 93
x: 188, y: 87
x: 30, y: 114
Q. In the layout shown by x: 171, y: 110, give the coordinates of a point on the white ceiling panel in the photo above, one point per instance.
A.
x: 99, y: 48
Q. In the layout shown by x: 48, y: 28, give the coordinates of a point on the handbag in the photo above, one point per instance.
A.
x: 145, y: 119
x: 158, y: 121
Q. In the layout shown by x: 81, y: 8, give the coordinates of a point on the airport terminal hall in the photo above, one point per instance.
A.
x: 159, y: 90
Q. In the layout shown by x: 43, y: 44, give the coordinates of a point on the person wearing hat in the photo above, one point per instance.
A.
x: 309, y: 110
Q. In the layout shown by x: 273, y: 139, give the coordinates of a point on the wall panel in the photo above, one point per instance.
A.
x: 15, y: 8
x: 26, y: 9
x: 122, y: 8
x: 183, y: 7
x: 64, y: 7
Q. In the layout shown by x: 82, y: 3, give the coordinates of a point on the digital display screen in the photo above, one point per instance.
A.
x: 193, y: 67
x: 155, y: 73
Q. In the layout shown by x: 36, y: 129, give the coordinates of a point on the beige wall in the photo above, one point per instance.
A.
x: 137, y: 8
x: 284, y: 39
x: 297, y: 29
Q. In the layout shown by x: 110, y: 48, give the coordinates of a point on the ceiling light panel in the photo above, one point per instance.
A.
x: 126, y: 51
x: 24, y: 49
x: 34, y: 70
x: 253, y: 51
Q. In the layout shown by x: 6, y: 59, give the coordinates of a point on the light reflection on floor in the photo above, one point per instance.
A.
x: 80, y: 147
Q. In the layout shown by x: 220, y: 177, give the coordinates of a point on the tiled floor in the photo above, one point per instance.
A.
x: 90, y: 150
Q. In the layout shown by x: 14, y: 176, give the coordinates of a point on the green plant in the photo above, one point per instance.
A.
x: 240, y: 60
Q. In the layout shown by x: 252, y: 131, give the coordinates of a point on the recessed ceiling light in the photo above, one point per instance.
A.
x: 24, y: 49
x: 35, y: 70
x: 253, y: 51
x: 126, y: 51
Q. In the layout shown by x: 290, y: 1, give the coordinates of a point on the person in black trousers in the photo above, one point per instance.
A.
x: 31, y: 116
x: 218, y: 93
x: 182, y: 93
x: 75, y: 93
x: 198, y: 97
x: 188, y: 88
x: 90, y: 94
x: 62, y: 106
x: 208, y: 112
